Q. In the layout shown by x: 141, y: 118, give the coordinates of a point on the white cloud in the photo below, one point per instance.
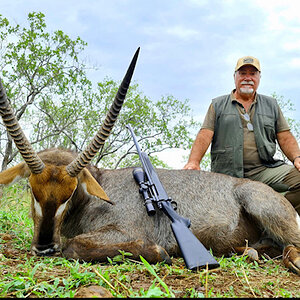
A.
x: 178, y: 31
x: 198, y: 2
x: 292, y: 45
x: 280, y: 14
x: 182, y: 32
x: 294, y: 63
x: 175, y: 158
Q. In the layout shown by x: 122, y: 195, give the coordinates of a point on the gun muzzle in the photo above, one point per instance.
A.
x: 139, y: 176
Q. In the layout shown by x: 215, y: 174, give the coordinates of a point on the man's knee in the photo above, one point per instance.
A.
x: 292, y: 179
x: 294, y: 198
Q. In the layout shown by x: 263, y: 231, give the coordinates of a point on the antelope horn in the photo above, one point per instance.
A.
x: 31, y: 158
x: 88, y: 154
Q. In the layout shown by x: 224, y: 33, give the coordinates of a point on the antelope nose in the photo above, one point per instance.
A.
x: 45, y: 250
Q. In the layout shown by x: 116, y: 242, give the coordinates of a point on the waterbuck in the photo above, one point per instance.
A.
x: 72, y: 199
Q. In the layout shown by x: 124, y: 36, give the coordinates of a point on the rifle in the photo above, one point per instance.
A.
x: 195, y: 255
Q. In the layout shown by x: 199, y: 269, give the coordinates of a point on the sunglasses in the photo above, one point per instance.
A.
x: 249, y: 124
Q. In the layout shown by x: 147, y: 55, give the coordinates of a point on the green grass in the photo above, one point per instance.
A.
x: 23, y: 275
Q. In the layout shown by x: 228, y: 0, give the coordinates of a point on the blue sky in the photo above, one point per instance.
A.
x: 188, y: 48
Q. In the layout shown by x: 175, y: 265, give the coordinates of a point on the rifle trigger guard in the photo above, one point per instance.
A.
x: 174, y: 204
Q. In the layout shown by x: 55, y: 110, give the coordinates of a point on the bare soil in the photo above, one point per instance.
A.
x: 259, y: 281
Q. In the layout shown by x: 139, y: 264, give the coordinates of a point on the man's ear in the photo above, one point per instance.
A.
x: 91, y: 186
x: 15, y: 173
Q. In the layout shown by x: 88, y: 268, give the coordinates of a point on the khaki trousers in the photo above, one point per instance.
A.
x: 284, y: 179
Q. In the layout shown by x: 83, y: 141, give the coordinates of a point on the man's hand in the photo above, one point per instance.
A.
x: 297, y: 163
x: 191, y: 166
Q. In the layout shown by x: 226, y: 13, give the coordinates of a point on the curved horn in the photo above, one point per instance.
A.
x: 31, y: 158
x: 88, y: 154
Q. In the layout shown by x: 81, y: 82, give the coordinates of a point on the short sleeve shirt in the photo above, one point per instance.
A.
x: 251, y: 159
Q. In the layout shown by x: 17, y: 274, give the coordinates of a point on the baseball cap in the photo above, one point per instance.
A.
x: 248, y: 60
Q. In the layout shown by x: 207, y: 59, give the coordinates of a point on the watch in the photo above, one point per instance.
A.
x: 295, y: 158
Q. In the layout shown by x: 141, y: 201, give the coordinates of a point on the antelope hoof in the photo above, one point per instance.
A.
x: 164, y: 256
x: 252, y: 254
x: 47, y: 250
x: 291, y: 258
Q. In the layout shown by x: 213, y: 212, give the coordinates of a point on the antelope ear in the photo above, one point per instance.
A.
x: 15, y: 173
x: 91, y: 185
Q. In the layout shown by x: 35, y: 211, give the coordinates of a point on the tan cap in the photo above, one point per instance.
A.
x: 248, y: 60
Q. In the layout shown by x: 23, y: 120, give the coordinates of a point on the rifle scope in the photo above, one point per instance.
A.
x: 139, y: 176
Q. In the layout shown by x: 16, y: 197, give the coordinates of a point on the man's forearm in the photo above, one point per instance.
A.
x: 288, y: 145
x: 200, y: 146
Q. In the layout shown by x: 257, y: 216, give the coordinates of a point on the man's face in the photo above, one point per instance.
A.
x: 247, y: 80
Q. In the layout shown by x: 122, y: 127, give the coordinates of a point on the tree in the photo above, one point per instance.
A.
x: 58, y: 105
x: 36, y: 66
x: 287, y: 106
x: 161, y: 125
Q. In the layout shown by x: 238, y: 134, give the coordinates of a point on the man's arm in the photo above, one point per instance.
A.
x: 290, y: 147
x: 199, y: 148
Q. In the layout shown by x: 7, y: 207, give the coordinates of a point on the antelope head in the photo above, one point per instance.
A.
x: 53, y: 182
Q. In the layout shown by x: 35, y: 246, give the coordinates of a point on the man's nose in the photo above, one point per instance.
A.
x: 248, y: 77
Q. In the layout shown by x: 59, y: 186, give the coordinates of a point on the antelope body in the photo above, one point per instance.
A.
x: 73, y: 199
x: 224, y: 213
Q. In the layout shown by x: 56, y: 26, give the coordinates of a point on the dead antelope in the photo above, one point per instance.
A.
x: 67, y: 200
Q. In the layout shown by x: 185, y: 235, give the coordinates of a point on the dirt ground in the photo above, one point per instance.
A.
x: 223, y: 282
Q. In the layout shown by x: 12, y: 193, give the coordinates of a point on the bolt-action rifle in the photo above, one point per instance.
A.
x: 195, y: 255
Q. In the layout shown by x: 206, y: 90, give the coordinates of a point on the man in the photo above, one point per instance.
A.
x: 242, y: 129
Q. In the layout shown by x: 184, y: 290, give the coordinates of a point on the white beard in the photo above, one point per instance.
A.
x: 246, y: 90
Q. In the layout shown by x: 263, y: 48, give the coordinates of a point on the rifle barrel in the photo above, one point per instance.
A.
x: 194, y: 253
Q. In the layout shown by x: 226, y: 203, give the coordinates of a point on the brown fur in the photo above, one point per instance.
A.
x: 10, y: 175
x: 46, y: 185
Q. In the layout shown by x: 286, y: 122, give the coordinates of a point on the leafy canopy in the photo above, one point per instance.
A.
x: 57, y: 105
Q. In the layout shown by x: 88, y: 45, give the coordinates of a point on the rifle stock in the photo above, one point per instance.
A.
x: 195, y: 255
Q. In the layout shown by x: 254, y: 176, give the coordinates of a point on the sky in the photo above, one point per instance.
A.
x: 188, y: 48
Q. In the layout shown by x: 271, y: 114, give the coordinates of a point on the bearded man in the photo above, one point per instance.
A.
x: 243, y: 128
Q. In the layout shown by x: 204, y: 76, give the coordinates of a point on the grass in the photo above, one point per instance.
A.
x: 24, y: 275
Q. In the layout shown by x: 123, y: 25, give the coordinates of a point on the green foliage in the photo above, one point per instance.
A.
x: 205, y: 162
x: 39, y: 59
x: 152, y: 122
x: 123, y: 257
x: 287, y: 106
x: 57, y: 104
x: 16, y: 196
x: 37, y: 66
x: 23, y: 275
x: 154, y: 290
